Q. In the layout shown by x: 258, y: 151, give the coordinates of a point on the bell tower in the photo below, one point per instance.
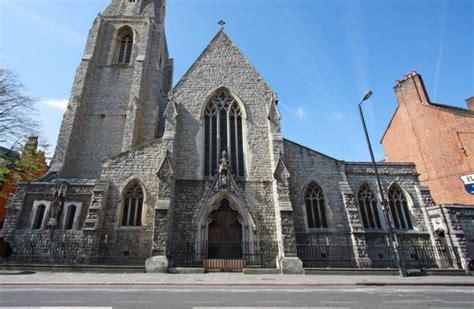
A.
x: 120, y: 90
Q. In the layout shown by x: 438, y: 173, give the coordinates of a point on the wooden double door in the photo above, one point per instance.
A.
x: 225, y: 233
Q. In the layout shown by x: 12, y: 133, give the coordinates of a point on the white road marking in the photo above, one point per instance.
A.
x: 406, y: 301
x: 271, y: 308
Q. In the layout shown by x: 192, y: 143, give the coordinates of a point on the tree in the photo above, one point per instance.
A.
x: 17, y: 121
x: 27, y: 164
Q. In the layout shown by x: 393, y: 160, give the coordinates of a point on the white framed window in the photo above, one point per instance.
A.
x: 71, y: 214
x: 40, y: 214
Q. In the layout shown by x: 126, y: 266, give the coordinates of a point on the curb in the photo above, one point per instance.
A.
x: 238, y: 284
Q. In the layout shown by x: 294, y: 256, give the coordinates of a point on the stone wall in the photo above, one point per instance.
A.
x: 222, y: 65
x: 140, y: 164
x: 111, y: 110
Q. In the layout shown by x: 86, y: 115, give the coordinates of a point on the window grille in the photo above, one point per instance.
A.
x: 315, y: 207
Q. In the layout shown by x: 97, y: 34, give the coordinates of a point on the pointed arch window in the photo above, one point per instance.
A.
x: 124, y: 46
x: 315, y: 207
x: 223, y: 132
x: 399, y: 208
x: 368, y: 208
x: 132, y: 206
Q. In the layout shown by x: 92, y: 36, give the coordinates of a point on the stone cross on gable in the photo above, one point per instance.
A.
x: 221, y: 23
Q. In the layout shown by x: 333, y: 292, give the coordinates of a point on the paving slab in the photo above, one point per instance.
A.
x: 8, y: 278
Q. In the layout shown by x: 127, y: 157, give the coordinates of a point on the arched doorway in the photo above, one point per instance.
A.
x: 224, y: 233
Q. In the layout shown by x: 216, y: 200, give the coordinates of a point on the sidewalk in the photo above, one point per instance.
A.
x: 9, y: 278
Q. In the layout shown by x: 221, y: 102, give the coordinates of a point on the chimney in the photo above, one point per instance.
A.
x: 470, y: 103
x: 32, y: 143
x: 411, y: 89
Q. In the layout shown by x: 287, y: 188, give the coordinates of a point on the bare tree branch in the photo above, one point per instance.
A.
x: 17, y: 112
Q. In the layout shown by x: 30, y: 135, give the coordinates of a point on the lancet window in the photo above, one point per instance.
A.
x: 223, y: 132
x: 125, y: 45
x: 70, y: 216
x: 368, y: 208
x: 315, y: 207
x: 399, y: 208
x: 39, y: 217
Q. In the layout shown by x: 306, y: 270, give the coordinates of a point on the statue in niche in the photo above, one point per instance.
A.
x: 57, y: 204
x: 223, y: 171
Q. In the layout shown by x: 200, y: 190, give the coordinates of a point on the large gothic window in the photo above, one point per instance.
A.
x: 399, y: 208
x: 223, y: 132
x: 132, y: 206
x: 368, y: 208
x: 315, y: 207
x: 124, y: 46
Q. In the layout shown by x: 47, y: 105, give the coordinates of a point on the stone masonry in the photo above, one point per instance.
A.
x: 128, y: 182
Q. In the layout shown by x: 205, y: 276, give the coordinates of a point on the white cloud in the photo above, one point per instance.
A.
x: 60, y: 104
x: 300, y: 113
x: 42, y: 23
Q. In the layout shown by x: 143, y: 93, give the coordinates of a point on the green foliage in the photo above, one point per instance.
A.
x: 29, y: 165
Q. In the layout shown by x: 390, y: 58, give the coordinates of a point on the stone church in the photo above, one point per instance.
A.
x: 199, y: 174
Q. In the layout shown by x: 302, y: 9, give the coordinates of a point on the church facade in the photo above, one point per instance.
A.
x: 199, y: 174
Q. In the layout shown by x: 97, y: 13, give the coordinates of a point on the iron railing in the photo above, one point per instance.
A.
x: 73, y: 251
x: 255, y: 254
x: 413, y: 256
x: 77, y: 252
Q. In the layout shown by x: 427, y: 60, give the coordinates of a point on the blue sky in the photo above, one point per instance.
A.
x: 320, y: 56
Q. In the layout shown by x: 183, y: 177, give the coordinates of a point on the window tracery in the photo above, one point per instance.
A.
x: 125, y: 44
x: 223, y: 132
x: 315, y: 207
x: 132, y: 206
x: 399, y: 208
x: 368, y: 208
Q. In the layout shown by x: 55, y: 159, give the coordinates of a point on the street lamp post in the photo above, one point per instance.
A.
x: 391, y: 237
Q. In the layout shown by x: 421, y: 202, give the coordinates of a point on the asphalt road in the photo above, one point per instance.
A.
x: 236, y: 297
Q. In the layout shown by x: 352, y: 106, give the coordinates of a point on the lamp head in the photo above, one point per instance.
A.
x: 367, y: 95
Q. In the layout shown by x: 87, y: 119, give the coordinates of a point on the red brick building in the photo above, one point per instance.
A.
x: 28, y: 165
x: 7, y: 187
x: 438, y: 138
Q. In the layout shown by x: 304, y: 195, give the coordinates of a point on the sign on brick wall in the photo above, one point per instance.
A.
x: 468, y: 183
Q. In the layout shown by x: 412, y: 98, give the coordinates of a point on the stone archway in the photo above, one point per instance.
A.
x: 225, y: 229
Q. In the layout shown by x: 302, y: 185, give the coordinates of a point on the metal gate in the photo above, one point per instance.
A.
x: 224, y: 246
